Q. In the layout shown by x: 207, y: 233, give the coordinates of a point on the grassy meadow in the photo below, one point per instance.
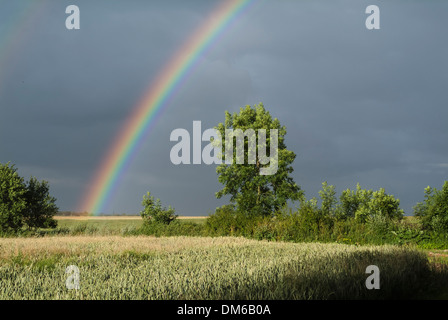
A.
x: 114, y: 264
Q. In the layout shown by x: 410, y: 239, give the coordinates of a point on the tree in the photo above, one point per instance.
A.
x: 41, y: 207
x: 433, y: 211
x: 12, y: 198
x: 24, y: 203
x: 154, y: 212
x: 380, y: 204
x: 254, y: 192
x: 328, y: 197
x: 351, y: 201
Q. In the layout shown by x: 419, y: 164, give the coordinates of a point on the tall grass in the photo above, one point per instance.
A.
x: 141, y: 267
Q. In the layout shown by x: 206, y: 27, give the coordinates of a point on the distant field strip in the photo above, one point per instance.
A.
x: 142, y: 267
x: 107, y: 225
x: 117, y: 217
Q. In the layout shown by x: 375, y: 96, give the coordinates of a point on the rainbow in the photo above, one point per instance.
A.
x: 145, y: 114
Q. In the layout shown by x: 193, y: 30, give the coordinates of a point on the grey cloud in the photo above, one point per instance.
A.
x: 360, y: 106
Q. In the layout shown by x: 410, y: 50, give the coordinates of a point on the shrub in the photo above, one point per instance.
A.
x: 223, y: 222
x: 378, y: 224
x: 79, y: 229
x: 309, y: 218
x: 405, y: 232
x: 176, y: 228
x: 433, y: 211
x: 266, y: 229
x: 154, y: 212
x: 288, y: 227
x: 314, y: 223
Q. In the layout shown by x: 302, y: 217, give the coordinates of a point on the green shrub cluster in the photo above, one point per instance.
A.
x: 358, y: 217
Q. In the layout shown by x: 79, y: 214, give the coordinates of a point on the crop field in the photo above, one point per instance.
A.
x: 103, y: 225
x: 146, y: 267
x: 108, y: 225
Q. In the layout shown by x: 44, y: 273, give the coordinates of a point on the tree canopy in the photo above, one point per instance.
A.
x: 254, y: 191
x: 24, y: 203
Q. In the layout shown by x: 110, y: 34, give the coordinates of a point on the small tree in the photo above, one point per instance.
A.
x: 41, y: 207
x: 433, y: 211
x: 350, y: 201
x: 12, y: 198
x: 309, y: 216
x: 328, y: 197
x: 382, y: 205
x: 362, y: 204
x: 154, y: 212
x: 312, y: 218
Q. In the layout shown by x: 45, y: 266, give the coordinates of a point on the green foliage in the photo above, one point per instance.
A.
x: 378, y: 224
x: 228, y: 221
x: 175, y: 228
x: 84, y: 228
x: 12, y: 198
x: 351, y: 201
x: 310, y: 218
x: 223, y: 222
x: 366, y: 205
x: 153, y: 211
x: 255, y: 194
x: 361, y: 217
x: 24, y: 203
x: 405, y: 233
x: 433, y: 211
x: 329, y: 201
x: 41, y: 207
x: 380, y: 204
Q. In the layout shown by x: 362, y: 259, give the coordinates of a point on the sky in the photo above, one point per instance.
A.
x: 360, y: 106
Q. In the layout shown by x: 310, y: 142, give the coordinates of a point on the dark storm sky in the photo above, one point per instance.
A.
x: 367, y: 106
